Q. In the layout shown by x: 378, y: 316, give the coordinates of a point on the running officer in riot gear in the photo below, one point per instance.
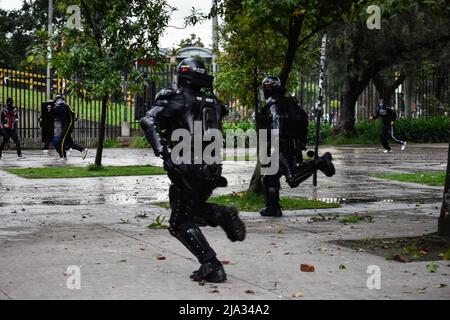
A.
x: 192, y: 183
x: 283, y: 114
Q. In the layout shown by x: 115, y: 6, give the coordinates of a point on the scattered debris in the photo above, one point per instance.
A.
x: 141, y: 215
x: 432, y: 267
x: 214, y: 291
x: 160, y: 258
x: 298, y: 294
x: 342, y: 267
x: 225, y: 262
x: 307, y: 268
x: 250, y: 291
x: 400, y: 258
x: 355, y: 218
x: 158, y: 223
x: 124, y: 221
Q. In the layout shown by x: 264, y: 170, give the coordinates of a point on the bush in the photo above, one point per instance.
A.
x: 112, y: 143
x: 140, y: 143
x: 422, y: 130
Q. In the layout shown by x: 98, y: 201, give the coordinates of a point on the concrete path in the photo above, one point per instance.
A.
x: 47, y: 225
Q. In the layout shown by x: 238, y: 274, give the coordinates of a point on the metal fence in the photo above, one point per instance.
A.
x: 429, y: 95
x: 426, y: 94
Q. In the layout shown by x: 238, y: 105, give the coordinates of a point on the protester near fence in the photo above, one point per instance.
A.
x: 64, y: 122
x: 8, y: 125
x: 192, y: 182
x: 47, y: 120
x: 388, y: 117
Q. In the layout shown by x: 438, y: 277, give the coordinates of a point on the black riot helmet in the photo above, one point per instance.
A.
x: 9, y: 102
x: 192, y: 74
x: 271, y: 87
x: 59, y: 99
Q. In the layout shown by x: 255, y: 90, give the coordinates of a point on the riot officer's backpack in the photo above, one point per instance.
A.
x: 296, y: 120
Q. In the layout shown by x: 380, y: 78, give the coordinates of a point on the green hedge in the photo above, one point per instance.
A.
x: 423, y: 130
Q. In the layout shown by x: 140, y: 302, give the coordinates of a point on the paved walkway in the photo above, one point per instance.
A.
x: 47, y: 225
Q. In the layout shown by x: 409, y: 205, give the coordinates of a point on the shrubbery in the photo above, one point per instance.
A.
x: 423, y: 130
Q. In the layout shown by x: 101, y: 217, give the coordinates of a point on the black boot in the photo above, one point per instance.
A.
x: 271, y: 212
x: 307, y: 168
x: 233, y: 226
x: 272, y: 199
x: 211, y: 271
x: 325, y: 165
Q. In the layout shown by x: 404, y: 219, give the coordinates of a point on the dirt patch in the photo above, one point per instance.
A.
x: 428, y: 247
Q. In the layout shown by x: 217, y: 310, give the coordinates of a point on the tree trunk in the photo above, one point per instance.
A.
x: 295, y: 28
x: 444, y: 218
x: 387, y: 91
x: 346, y: 121
x: 408, y: 94
x: 256, y: 181
x: 101, y: 132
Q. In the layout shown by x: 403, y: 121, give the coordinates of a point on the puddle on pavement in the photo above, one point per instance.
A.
x: 339, y: 200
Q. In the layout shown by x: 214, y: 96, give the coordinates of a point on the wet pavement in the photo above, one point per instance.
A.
x: 47, y: 225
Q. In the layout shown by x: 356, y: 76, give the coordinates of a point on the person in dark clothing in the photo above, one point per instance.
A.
x: 8, y: 126
x: 47, y: 121
x: 283, y: 114
x: 193, y: 109
x: 388, y: 117
x: 64, y: 121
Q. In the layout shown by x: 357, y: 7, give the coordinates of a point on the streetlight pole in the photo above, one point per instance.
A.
x: 215, y: 37
x: 49, y: 48
x: 319, y: 102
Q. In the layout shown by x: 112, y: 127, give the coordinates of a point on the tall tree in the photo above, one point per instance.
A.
x: 113, y: 35
x: 444, y: 218
x: 192, y: 41
x: 410, y: 31
x: 270, y: 36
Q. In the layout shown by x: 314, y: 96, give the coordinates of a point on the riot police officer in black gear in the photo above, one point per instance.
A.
x: 285, y: 115
x: 192, y: 183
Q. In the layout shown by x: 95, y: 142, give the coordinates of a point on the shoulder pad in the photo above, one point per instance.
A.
x: 167, y: 93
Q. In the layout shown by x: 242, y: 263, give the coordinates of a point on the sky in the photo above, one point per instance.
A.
x: 172, y: 36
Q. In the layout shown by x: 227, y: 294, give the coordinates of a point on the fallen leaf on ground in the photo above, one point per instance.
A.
x: 441, y: 285
x: 161, y: 258
x: 342, y: 267
x: 297, y: 294
x: 400, y: 258
x: 214, y: 291
x: 225, y: 262
x: 307, y: 267
x: 250, y: 291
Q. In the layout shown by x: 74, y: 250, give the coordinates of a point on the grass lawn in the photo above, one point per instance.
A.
x: 86, y: 172
x: 428, y: 178
x: 252, y: 202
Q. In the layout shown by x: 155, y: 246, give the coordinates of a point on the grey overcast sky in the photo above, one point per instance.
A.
x: 172, y: 36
